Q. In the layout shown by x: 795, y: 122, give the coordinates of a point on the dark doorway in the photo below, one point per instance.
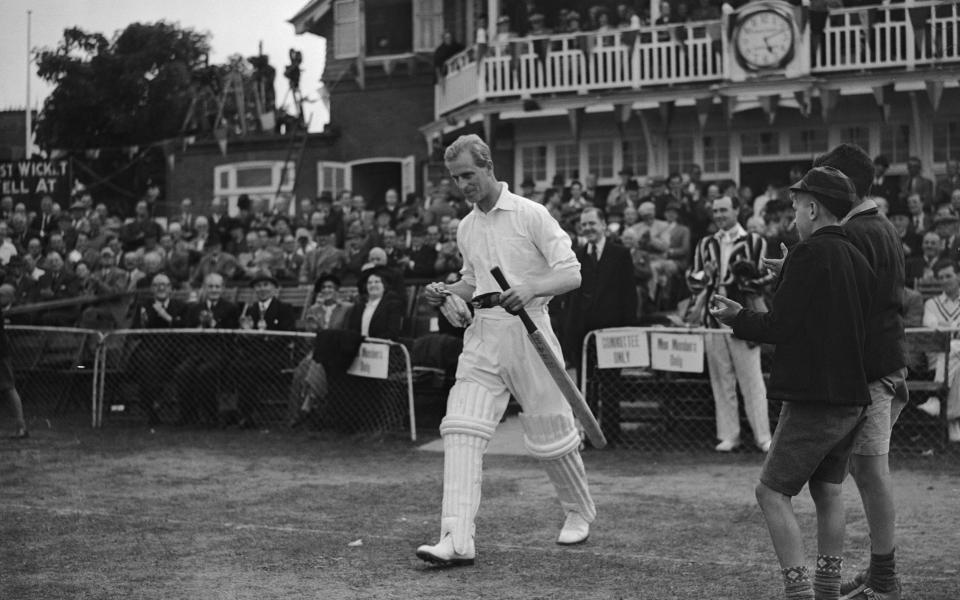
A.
x: 758, y: 174
x: 374, y: 179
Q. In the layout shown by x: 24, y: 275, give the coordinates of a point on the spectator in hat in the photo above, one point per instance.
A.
x: 945, y: 224
x: 900, y: 219
x: 447, y: 49
x: 327, y: 311
x: 504, y: 33
x: 950, y: 182
x: 325, y: 259
x: 528, y: 188
x: 421, y: 257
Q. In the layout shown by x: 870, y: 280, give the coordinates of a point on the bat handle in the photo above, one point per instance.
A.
x: 522, y: 313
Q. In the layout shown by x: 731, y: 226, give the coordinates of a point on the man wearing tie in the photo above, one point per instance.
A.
x: 607, y: 297
x: 198, y: 376
x: 46, y: 221
x: 261, y: 359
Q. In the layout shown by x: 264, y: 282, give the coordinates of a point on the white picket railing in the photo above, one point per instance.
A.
x: 915, y: 34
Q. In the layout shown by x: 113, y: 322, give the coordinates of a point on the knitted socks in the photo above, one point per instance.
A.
x: 826, y: 580
x: 796, y: 583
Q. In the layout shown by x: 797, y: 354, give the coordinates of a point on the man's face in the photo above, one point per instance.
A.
x: 106, y: 259
x: 46, y: 204
x: 713, y: 192
x: 724, y: 215
x: 914, y: 204
x: 160, y: 287
x: 390, y: 239
x: 591, y: 226
x: 391, y: 198
x: 802, y: 202
x: 56, y: 242
x: 433, y: 235
x: 931, y: 245
x: 475, y: 183
x: 949, y: 282
x: 630, y: 216
x: 186, y: 205
x: 264, y: 290
x: 913, y: 167
x: 900, y: 223
x: 953, y: 168
x: 34, y: 247
x: 213, y: 288
x: 141, y: 210
x: 358, y: 203
x: 879, y: 169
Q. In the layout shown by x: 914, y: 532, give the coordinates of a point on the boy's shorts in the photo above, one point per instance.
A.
x: 6, y: 375
x: 888, y: 396
x: 811, y: 442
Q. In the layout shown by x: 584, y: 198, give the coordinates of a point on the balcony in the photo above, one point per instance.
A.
x: 881, y: 38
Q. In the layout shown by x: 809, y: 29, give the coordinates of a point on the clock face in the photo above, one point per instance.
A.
x: 764, y: 39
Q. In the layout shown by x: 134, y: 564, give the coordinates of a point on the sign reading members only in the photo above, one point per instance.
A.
x: 373, y: 360
x: 622, y: 348
x: 677, y: 352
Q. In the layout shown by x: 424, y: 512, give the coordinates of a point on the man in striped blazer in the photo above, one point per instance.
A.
x: 729, y: 263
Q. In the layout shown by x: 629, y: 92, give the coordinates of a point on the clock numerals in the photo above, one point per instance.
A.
x: 764, y: 39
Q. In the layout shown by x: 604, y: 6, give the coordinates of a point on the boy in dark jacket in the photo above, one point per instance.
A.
x: 818, y: 324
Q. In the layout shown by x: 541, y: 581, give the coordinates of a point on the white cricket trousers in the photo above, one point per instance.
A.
x: 731, y: 362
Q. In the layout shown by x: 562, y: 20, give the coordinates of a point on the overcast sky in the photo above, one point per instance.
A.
x: 237, y: 26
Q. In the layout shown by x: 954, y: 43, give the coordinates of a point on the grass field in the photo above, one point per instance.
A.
x: 125, y: 513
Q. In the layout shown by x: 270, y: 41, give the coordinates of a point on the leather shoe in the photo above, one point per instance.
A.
x: 953, y: 430
x: 727, y: 446
x: 575, y: 530
x: 764, y: 446
x: 442, y: 554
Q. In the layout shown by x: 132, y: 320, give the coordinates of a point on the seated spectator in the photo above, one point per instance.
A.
x: 950, y: 182
x: 7, y: 247
x: 325, y: 259
x: 943, y: 312
x: 327, y: 310
x: 449, y: 260
x: 19, y: 274
x: 58, y: 284
x: 379, y: 313
x: 261, y: 359
x: 421, y: 258
x: 923, y: 266
x: 216, y: 261
x: 153, y: 359
x: 151, y: 264
x: 900, y: 219
x: 199, y: 377
x: 134, y: 234
x: 288, y: 262
x: 201, y: 237
x: 945, y: 224
x: 107, y: 280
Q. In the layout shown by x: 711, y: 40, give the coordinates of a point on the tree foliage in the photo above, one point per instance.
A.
x: 132, y: 90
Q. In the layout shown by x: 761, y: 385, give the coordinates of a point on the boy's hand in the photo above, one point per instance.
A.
x: 724, y: 309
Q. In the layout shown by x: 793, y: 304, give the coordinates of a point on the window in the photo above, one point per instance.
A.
x: 946, y: 141
x: 389, y: 28
x: 427, y: 25
x: 679, y: 153
x: 716, y: 153
x: 760, y: 143
x: 808, y: 141
x: 533, y: 163
x: 567, y: 161
x: 895, y: 142
x: 635, y: 157
x: 856, y: 135
x: 600, y: 159
x: 346, y: 28
x: 257, y: 179
x: 332, y: 177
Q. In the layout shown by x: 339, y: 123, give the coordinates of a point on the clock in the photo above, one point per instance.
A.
x: 764, y: 38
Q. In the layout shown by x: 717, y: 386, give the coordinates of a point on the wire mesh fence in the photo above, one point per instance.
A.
x: 54, y: 370
x: 650, y: 389
x: 239, y: 378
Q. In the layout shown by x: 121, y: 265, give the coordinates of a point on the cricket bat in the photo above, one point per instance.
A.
x: 559, y: 374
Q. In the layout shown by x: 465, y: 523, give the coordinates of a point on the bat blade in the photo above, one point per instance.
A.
x: 568, y: 389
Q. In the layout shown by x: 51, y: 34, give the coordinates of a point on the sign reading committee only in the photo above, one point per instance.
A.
x: 622, y: 348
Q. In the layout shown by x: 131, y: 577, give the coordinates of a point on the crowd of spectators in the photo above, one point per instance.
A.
x: 84, y: 250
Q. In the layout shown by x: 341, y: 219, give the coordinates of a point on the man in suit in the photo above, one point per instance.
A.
x: 187, y: 218
x: 46, y: 222
x: 607, y: 297
x: 916, y: 183
x: 950, y: 182
x: 198, y: 377
x: 154, y: 357
x: 733, y: 362
x: 261, y: 359
x: 58, y: 284
x: 884, y: 185
x: 327, y: 311
x: 922, y: 267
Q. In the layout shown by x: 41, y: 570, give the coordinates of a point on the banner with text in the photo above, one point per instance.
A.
x: 622, y: 348
x: 30, y: 180
x: 677, y: 352
x: 373, y: 360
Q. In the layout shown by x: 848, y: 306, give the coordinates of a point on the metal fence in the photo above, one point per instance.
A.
x: 650, y: 389
x: 209, y: 378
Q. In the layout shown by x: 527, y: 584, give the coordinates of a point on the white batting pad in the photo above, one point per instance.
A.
x: 554, y: 440
x: 466, y: 430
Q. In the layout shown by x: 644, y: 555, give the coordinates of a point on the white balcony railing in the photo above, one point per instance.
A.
x: 915, y: 34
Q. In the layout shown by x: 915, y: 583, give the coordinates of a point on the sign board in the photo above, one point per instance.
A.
x: 29, y: 180
x: 373, y: 360
x: 677, y: 352
x: 621, y: 348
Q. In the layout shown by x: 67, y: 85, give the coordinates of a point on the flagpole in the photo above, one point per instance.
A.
x: 28, y: 145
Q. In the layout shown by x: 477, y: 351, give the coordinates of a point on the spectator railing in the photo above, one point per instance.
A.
x: 259, y: 378
x: 650, y: 389
x: 923, y: 33
x: 55, y: 370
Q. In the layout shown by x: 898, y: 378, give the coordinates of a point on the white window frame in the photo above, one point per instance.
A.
x: 348, y: 35
x: 232, y: 191
x: 427, y: 24
x: 408, y: 172
x: 343, y: 168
